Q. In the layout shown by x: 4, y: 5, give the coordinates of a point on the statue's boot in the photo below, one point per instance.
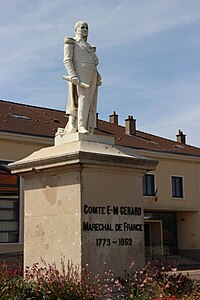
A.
x: 82, y: 129
x: 71, y: 126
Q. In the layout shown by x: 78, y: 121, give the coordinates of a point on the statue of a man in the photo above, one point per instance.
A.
x: 83, y: 78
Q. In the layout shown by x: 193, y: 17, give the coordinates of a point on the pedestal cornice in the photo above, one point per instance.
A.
x: 83, y: 151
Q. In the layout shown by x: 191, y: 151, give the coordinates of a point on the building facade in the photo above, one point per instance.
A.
x: 171, y: 193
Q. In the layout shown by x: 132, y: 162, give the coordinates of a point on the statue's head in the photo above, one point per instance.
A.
x: 81, y: 29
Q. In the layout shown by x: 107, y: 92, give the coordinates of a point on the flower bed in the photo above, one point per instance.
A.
x: 46, y: 282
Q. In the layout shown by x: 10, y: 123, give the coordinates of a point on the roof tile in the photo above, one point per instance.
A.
x: 38, y: 121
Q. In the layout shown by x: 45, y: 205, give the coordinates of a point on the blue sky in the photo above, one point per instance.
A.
x: 149, y: 52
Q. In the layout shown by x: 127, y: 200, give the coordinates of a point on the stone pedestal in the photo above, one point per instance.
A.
x: 83, y: 202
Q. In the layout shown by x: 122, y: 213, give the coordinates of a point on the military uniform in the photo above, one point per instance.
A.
x: 80, y: 60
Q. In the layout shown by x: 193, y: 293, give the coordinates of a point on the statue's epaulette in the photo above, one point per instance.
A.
x: 69, y: 40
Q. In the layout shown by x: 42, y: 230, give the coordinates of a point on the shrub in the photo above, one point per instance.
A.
x: 70, y: 283
x: 154, y: 282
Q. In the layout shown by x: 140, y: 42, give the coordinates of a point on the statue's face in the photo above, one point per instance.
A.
x: 82, y: 30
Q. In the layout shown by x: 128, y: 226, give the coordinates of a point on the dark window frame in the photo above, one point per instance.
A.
x: 149, y: 185
x: 12, y: 195
x: 177, y: 190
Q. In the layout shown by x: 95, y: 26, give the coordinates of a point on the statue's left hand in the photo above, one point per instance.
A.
x: 75, y: 80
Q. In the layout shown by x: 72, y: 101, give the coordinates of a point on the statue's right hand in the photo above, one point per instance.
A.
x: 75, y: 80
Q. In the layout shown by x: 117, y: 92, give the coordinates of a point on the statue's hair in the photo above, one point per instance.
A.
x: 78, y: 24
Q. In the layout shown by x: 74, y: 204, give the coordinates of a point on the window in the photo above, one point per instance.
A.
x: 149, y: 185
x: 21, y: 117
x: 9, y: 206
x: 177, y: 186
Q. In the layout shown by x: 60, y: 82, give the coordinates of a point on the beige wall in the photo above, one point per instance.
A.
x: 173, y: 165
x: 198, y: 184
x: 15, y: 147
x: 188, y: 207
x: 188, y: 225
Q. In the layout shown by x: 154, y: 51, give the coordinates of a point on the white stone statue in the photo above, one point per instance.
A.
x: 83, y: 78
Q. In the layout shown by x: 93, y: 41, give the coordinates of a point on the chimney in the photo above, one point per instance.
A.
x: 114, y: 118
x: 130, y: 126
x: 181, y: 137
